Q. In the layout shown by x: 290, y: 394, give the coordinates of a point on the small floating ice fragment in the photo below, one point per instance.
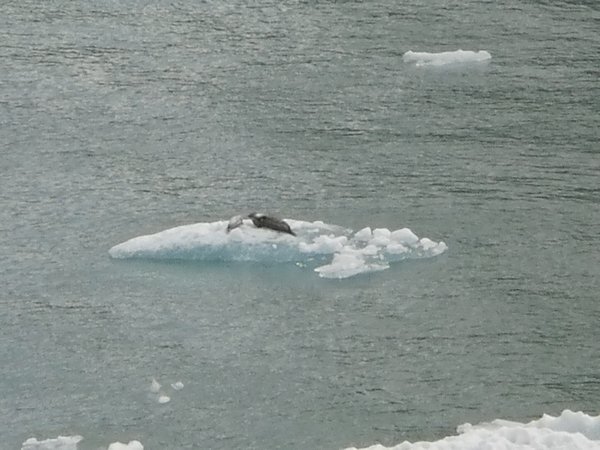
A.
x: 154, y: 386
x: 133, y: 445
x: 363, y: 235
x: 177, y: 385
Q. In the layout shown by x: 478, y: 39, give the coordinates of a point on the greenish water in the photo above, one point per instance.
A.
x: 119, y: 119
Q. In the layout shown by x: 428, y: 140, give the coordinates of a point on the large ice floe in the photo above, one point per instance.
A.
x: 569, y: 431
x: 457, y: 57
x: 333, y: 251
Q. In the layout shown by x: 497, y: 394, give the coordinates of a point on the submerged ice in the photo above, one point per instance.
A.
x: 335, y: 251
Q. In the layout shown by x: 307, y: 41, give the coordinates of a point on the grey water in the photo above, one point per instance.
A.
x: 122, y: 118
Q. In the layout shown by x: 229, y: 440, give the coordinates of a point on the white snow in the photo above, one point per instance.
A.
x: 349, y: 253
x: 446, y: 58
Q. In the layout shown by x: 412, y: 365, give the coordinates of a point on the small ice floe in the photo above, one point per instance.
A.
x: 333, y: 251
x: 421, y: 59
x: 154, y: 386
x: 133, y: 445
x: 571, y: 430
x: 163, y: 399
x: 59, y: 443
x: 177, y: 385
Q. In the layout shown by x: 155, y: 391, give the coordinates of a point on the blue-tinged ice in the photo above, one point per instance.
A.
x: 335, y: 251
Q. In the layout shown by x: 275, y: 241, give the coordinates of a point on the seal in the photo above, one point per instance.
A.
x: 273, y: 223
x: 234, y: 222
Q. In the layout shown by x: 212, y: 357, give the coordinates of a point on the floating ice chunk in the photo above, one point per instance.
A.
x: 381, y: 236
x: 439, y: 248
x: 370, y: 250
x: 60, y: 443
x: 395, y: 249
x: 133, y: 445
x: 177, y: 385
x: 348, y: 264
x: 427, y: 244
x: 430, y: 248
x: 568, y: 421
x: 363, y: 235
x: 404, y: 236
x: 162, y: 399
x: 154, y: 386
x: 445, y: 58
x: 381, y: 232
x: 570, y: 430
x: 324, y: 245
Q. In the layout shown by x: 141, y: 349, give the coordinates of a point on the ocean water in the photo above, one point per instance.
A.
x: 121, y: 119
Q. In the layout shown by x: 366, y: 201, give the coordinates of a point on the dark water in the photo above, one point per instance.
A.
x: 123, y: 118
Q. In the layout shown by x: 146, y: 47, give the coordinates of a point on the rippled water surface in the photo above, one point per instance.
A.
x: 123, y: 118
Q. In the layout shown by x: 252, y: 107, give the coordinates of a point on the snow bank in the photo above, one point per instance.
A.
x: 349, y: 253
